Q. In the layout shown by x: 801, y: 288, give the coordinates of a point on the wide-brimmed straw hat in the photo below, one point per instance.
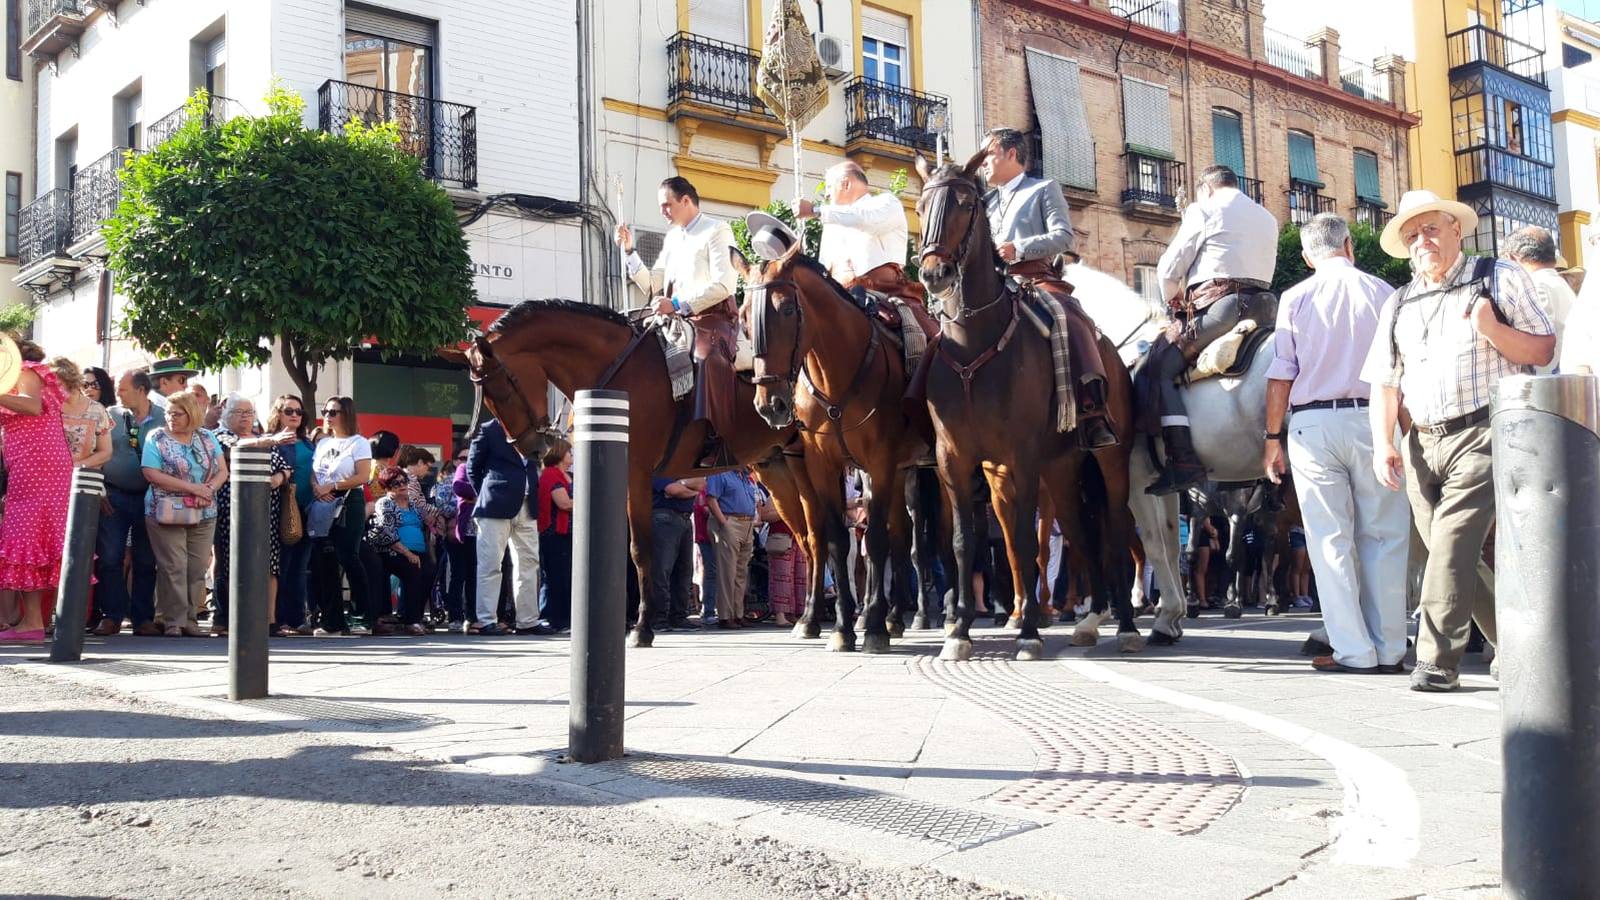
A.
x: 769, y: 237
x: 1415, y: 203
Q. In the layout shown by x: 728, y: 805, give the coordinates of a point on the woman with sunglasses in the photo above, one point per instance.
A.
x: 341, y: 465
x: 287, y: 427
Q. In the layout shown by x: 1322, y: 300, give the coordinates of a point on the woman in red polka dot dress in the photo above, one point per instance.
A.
x: 39, y: 479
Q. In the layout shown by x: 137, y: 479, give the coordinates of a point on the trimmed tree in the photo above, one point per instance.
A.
x: 1370, y: 258
x: 231, y: 236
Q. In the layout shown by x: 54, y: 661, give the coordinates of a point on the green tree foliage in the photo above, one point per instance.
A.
x: 230, y: 236
x: 1370, y: 257
x: 15, y: 319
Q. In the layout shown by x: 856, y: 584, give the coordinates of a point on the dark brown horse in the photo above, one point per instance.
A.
x: 990, y: 389
x: 823, y: 364
x: 578, y: 346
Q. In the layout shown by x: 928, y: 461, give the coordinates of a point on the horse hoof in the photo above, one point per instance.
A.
x: 1192, y: 611
x: 949, y: 628
x: 897, y: 630
x: 1029, y: 649
x: 920, y: 623
x: 1085, y: 635
x: 1014, y: 623
x: 806, y: 631
x: 1273, y: 610
x: 1232, y: 611
x: 956, y: 650
x: 839, y: 643
x: 637, y: 638
x: 1159, y: 638
x: 875, y: 643
x: 1130, y: 642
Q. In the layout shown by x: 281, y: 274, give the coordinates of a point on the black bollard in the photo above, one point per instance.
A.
x: 1547, y: 580
x: 249, y: 570
x: 599, y: 574
x: 77, y: 564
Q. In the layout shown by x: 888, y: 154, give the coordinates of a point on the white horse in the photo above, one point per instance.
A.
x: 1227, y: 417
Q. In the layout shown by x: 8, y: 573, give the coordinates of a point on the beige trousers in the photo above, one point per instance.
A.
x: 1450, y: 482
x: 182, y: 554
x: 734, y: 542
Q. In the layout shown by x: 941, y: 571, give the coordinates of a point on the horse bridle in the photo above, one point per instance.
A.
x: 491, y: 369
x: 962, y: 247
x: 758, y: 337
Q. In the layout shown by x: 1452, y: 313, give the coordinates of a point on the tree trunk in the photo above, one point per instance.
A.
x: 303, y: 372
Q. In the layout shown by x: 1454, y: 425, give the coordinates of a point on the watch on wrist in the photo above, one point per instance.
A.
x: 1274, y: 435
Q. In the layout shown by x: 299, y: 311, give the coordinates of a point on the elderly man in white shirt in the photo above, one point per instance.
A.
x: 1220, y: 261
x: 694, y: 278
x: 1534, y: 249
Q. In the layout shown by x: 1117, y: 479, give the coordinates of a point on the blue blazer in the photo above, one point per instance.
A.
x: 504, y: 481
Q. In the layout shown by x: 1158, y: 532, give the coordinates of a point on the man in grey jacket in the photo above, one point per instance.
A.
x: 1031, y: 227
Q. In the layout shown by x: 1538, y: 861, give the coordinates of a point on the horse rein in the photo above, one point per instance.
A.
x: 493, y: 368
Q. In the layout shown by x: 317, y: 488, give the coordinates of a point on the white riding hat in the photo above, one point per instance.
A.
x: 1415, y: 203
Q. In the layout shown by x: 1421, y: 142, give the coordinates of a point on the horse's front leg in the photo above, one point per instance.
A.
x: 955, y: 475
x: 642, y: 534
x: 885, y: 493
x: 1015, y: 492
x: 1232, y: 607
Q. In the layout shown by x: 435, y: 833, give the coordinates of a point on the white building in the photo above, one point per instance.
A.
x: 676, y: 85
x: 16, y: 152
x: 1572, y: 63
x: 483, y: 92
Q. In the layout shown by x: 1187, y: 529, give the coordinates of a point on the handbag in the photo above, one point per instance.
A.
x: 291, y: 530
x: 779, y: 543
x: 177, y: 510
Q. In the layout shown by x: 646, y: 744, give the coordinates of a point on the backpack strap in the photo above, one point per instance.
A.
x: 1483, y: 276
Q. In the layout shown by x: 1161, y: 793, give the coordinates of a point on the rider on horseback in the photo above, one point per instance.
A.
x: 1219, y: 262
x: 693, y: 277
x: 1029, y: 222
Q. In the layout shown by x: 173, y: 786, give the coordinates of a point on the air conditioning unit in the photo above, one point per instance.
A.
x: 835, y: 55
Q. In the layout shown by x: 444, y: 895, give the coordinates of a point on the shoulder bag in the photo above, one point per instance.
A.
x: 291, y: 530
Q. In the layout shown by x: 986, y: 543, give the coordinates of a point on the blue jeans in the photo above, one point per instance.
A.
x: 708, y: 592
x: 111, y: 544
x: 555, y: 579
x: 294, y: 563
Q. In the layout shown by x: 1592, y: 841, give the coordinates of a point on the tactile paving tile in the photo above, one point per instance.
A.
x: 955, y: 826
x: 126, y: 668
x: 1096, y: 759
x: 334, y: 712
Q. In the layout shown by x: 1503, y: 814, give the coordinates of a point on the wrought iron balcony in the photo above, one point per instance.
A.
x: 1491, y: 165
x: 886, y: 112
x: 1371, y: 214
x: 1305, y: 203
x: 1293, y: 55
x: 1152, y: 182
x: 1361, y: 80
x: 51, y: 26
x: 1251, y: 188
x: 1482, y: 44
x: 96, y: 191
x: 712, y: 73
x: 219, y: 109
x: 443, y: 135
x: 46, y: 228
x: 1162, y: 15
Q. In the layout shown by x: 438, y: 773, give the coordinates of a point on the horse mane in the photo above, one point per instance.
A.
x: 527, y: 309
x: 815, y: 267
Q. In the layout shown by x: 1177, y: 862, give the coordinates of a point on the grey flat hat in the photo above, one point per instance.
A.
x: 769, y: 237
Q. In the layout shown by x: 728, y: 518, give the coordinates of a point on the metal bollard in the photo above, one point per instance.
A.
x: 250, y: 568
x: 77, y: 564
x: 599, y: 575
x: 1547, y: 554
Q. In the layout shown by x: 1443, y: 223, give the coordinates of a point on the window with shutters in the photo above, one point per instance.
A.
x: 388, y: 52
x: 720, y: 20
x: 14, y: 41
x: 1227, y: 140
x: 1066, y: 147
x: 1303, y: 160
x: 13, y: 212
x: 1368, y: 188
x: 885, y: 47
x: 1146, y: 118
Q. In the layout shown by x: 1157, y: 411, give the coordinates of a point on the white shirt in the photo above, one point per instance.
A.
x: 1226, y: 235
x: 1555, y: 297
x: 861, y: 236
x: 1581, y: 349
x: 336, y: 457
x: 694, y: 265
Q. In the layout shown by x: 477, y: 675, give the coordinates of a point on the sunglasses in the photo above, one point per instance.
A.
x: 293, y: 411
x: 330, y: 413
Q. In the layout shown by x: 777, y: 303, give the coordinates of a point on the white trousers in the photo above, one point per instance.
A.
x: 1357, y: 533
x: 522, y: 533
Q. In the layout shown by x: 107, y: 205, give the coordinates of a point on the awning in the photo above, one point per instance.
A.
x: 1068, y: 148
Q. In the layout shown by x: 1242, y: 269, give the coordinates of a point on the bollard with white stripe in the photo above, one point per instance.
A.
x: 599, y: 576
x: 77, y: 564
x: 249, y: 569
x: 1547, y: 504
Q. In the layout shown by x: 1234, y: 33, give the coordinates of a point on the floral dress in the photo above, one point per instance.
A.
x: 83, y: 429
x: 39, y: 470
x: 223, y: 539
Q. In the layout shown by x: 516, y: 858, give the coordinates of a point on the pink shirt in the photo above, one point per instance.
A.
x: 1325, y: 326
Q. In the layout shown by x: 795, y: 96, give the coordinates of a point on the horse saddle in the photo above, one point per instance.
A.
x: 1230, y: 356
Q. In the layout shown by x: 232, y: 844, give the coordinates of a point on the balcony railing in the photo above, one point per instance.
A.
x: 1361, y: 80
x: 219, y: 109
x: 50, y: 26
x: 1293, y: 55
x: 1482, y: 44
x: 1305, y: 203
x: 1162, y: 15
x: 96, y: 190
x: 711, y: 72
x: 1372, y: 214
x: 1251, y: 188
x: 443, y: 135
x: 1491, y: 165
x: 1152, y: 181
x: 45, y: 226
x: 885, y: 112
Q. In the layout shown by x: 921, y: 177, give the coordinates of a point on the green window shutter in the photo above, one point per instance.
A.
x: 1147, y: 118
x: 1068, y: 146
x: 1303, y: 158
x: 1227, y: 141
x: 1367, y: 184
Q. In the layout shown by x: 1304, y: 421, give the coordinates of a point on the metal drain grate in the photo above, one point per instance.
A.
x: 902, y: 816
x: 123, y: 667
x: 334, y: 712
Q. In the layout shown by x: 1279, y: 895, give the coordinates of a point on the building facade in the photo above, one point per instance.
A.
x: 16, y: 150
x: 1573, y: 64
x: 677, y: 86
x: 1127, y: 111
x: 482, y: 93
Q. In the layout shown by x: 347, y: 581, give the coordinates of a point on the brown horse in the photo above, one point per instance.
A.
x: 578, y: 346
x: 990, y: 389
x: 821, y: 362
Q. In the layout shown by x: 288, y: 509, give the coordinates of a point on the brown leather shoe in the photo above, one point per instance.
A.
x: 1329, y: 664
x: 108, y: 627
x: 149, y: 629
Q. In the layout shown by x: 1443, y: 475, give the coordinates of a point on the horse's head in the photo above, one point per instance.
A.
x: 951, y: 208
x: 772, y: 303
x: 516, y: 391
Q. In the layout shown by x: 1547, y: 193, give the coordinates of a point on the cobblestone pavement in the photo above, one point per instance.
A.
x: 1223, y: 767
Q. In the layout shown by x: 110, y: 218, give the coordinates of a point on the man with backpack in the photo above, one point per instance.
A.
x: 1443, y: 343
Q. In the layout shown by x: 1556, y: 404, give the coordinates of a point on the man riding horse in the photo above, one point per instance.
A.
x: 693, y: 277
x: 1214, y: 273
x: 864, y: 237
x: 1031, y: 227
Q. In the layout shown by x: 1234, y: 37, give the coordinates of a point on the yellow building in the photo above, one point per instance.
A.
x: 1486, y: 139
